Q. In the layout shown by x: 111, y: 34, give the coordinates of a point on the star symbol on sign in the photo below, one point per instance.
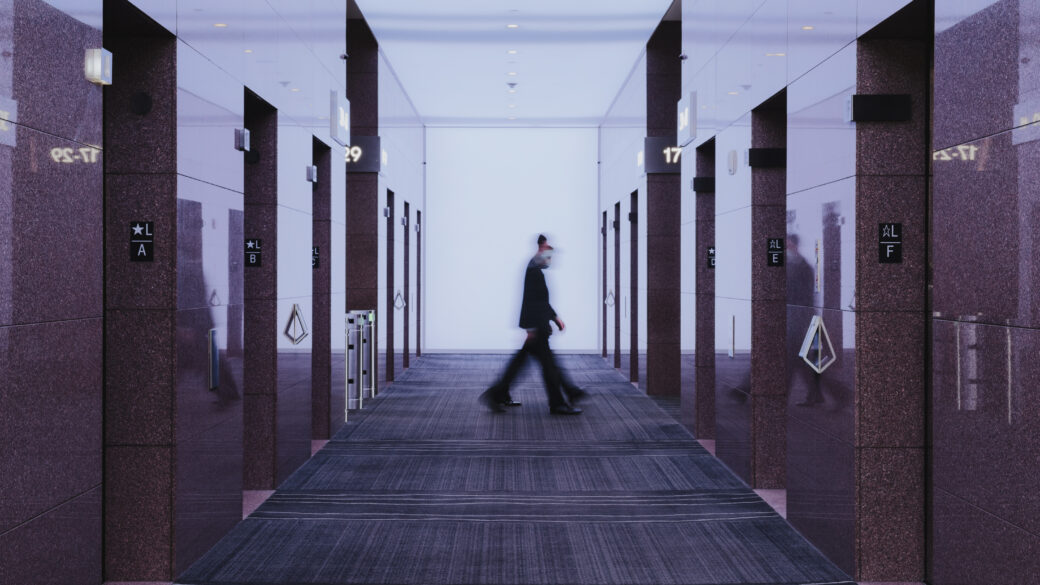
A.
x: 249, y: 244
x: 138, y: 228
x: 711, y: 250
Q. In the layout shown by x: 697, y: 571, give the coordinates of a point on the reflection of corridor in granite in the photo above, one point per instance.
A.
x: 427, y: 486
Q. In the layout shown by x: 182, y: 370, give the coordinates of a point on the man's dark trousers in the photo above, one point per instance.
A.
x: 538, y: 347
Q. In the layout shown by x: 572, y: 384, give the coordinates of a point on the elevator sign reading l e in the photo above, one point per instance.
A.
x: 890, y: 243
x: 774, y: 251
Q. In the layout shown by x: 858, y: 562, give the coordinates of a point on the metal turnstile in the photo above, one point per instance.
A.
x: 361, y: 358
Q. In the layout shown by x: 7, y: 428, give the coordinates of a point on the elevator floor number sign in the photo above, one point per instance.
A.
x: 142, y: 241
x: 253, y: 248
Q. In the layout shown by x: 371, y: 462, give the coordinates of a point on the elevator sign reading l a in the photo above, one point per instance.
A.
x: 890, y: 243
x: 142, y: 241
x: 253, y: 249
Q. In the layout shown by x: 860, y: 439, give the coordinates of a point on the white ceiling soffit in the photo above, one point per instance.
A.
x: 454, y: 57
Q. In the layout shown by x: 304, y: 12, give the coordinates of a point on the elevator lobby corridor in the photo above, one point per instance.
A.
x: 426, y: 486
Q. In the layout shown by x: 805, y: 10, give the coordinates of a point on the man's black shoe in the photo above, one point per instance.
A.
x: 564, y: 409
x: 511, y: 402
x: 488, y: 398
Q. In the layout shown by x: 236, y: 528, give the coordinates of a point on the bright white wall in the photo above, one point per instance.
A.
x: 490, y: 192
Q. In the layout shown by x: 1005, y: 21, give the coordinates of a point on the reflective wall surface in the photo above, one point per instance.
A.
x: 50, y: 295
x: 986, y: 194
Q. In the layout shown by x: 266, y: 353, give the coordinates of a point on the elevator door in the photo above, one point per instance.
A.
x: 617, y: 285
x: 389, y: 321
x: 407, y: 282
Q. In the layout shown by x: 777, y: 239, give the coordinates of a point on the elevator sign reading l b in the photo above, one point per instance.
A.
x: 890, y: 243
x: 253, y: 248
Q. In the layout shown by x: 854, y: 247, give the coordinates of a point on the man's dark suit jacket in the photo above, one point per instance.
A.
x: 535, y: 312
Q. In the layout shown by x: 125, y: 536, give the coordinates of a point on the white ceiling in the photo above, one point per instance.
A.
x: 572, y: 56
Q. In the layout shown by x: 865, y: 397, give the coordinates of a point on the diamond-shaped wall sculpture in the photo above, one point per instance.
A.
x: 296, y: 329
x: 816, y: 349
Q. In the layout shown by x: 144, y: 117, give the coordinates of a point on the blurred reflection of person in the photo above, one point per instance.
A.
x: 536, y: 314
x: 800, y: 285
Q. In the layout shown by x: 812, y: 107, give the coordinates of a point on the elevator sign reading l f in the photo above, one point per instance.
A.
x: 890, y: 243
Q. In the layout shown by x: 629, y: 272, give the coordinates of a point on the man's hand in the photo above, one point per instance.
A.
x: 559, y: 323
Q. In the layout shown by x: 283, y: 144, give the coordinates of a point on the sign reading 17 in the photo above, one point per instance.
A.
x: 962, y: 152
x: 69, y: 155
x: 671, y: 154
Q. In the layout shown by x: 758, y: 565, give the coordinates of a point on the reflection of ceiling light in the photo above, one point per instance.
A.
x: 775, y: 54
x: 512, y: 105
x: 512, y: 26
x: 511, y: 51
x: 512, y: 74
x: 512, y: 91
x: 732, y: 93
x: 807, y: 27
x: 248, y: 51
x: 295, y: 89
x: 220, y: 25
x: 511, y: 118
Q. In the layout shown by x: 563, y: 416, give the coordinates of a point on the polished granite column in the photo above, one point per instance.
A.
x: 663, y: 218
x: 891, y: 304
x: 362, y: 206
x: 768, y: 387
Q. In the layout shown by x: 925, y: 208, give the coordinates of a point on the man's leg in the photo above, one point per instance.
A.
x: 497, y: 395
x: 550, y: 375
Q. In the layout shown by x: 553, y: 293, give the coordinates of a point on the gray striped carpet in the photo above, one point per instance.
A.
x: 426, y: 487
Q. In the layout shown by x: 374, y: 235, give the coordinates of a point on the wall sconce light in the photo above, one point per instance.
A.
x: 97, y: 66
x: 242, y: 139
x: 386, y: 212
x: 312, y: 174
x: 404, y: 221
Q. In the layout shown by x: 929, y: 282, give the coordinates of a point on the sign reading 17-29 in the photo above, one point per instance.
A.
x: 661, y: 155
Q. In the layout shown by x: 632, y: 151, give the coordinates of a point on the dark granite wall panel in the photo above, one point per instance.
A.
x: 986, y: 432
x: 977, y: 70
x: 321, y: 331
x: 48, y: 90
x: 51, y: 376
x: 51, y: 297
x: 60, y: 547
